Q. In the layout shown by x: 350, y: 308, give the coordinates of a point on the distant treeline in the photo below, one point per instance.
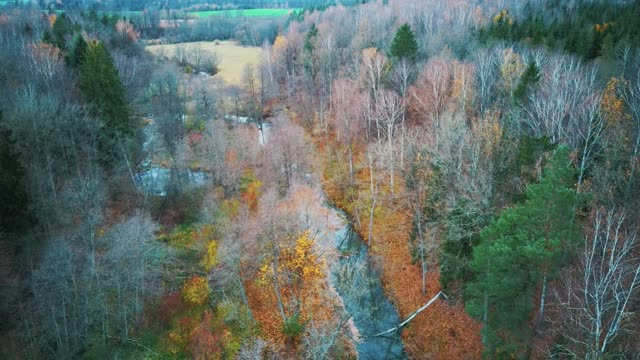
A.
x: 134, y: 5
x: 588, y: 29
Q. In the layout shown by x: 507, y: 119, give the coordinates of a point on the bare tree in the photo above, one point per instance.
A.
x: 402, y: 75
x: 389, y: 110
x: 430, y: 94
x: 596, y: 304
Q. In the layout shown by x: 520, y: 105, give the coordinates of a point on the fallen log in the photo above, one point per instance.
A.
x: 413, y: 315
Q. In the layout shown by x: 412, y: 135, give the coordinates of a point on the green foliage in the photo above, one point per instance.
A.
x: 47, y: 38
x: 102, y: 88
x: 404, y: 45
x: 309, y: 44
x: 13, y: 195
x: 526, y: 243
x: 530, y: 77
x: 62, y: 28
x: 293, y: 327
x: 79, y: 54
x: 521, y: 168
x: 591, y: 30
x: 462, y: 233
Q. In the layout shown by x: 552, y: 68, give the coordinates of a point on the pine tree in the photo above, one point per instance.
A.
x: 530, y: 77
x: 61, y: 28
x: 13, y: 195
x: 77, y: 57
x: 103, y: 90
x: 404, y: 45
x: 47, y: 38
x: 308, y: 56
x: 518, y: 252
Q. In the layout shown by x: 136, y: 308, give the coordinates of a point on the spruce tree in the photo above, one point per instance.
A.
x: 102, y: 88
x: 518, y: 252
x: 404, y: 45
x: 530, y: 77
x: 13, y: 195
x: 77, y: 57
x: 61, y: 28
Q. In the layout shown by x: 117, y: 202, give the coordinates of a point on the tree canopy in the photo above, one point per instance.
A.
x: 404, y: 45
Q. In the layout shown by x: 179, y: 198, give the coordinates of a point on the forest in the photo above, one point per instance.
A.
x: 389, y: 179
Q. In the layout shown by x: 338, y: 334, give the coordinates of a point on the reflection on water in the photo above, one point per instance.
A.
x: 358, y: 284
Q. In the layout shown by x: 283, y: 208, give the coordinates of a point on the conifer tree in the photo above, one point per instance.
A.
x: 530, y: 77
x: 404, y: 45
x: 13, y: 195
x: 77, y: 57
x: 101, y: 85
x: 518, y: 253
x: 61, y: 28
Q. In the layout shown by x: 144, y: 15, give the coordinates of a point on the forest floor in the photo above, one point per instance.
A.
x: 444, y: 330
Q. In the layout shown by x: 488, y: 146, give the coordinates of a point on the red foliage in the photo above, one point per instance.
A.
x: 169, y: 307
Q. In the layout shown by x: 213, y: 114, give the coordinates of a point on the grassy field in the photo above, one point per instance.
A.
x: 233, y: 57
x: 195, y: 14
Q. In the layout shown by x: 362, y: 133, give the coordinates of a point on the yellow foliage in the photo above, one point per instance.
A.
x: 512, y: 68
x: 604, y: 27
x: 279, y: 48
x: 611, y: 104
x: 211, y: 256
x: 196, y: 290
x: 302, y: 260
x: 503, y: 16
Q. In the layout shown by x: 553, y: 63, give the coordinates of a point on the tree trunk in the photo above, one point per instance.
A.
x: 276, y: 287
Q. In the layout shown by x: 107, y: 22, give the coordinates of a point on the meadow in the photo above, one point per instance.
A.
x: 233, y: 57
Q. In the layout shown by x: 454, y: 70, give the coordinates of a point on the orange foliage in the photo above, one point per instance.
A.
x: 44, y: 52
x: 308, y: 286
x: 203, y: 344
x: 52, y: 19
x: 444, y: 331
x: 612, y: 105
x: 126, y: 31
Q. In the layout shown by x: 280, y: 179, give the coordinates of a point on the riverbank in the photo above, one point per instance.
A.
x: 444, y: 331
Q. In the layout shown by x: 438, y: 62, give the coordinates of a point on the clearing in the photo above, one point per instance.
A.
x: 233, y: 57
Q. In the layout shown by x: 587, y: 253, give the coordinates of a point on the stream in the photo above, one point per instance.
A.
x: 359, y: 286
x: 354, y: 279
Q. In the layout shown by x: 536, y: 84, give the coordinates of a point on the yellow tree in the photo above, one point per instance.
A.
x: 297, y: 273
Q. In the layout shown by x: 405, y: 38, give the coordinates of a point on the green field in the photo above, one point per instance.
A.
x: 195, y: 14
x: 245, y: 13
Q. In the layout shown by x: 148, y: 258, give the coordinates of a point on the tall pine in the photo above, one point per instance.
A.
x: 13, y: 194
x: 404, y: 45
x: 517, y: 255
x: 103, y: 90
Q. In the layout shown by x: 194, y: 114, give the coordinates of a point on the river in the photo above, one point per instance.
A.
x: 359, y: 286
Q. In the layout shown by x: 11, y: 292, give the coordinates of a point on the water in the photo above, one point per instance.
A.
x: 361, y: 291
x: 156, y: 180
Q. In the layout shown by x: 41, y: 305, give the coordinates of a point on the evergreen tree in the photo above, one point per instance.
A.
x: 607, y: 50
x: 61, y: 28
x: 13, y: 195
x: 404, y: 45
x: 518, y: 252
x: 530, y: 77
x: 47, y: 38
x: 103, y: 90
x: 77, y: 57
x: 308, y: 57
x: 309, y: 40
